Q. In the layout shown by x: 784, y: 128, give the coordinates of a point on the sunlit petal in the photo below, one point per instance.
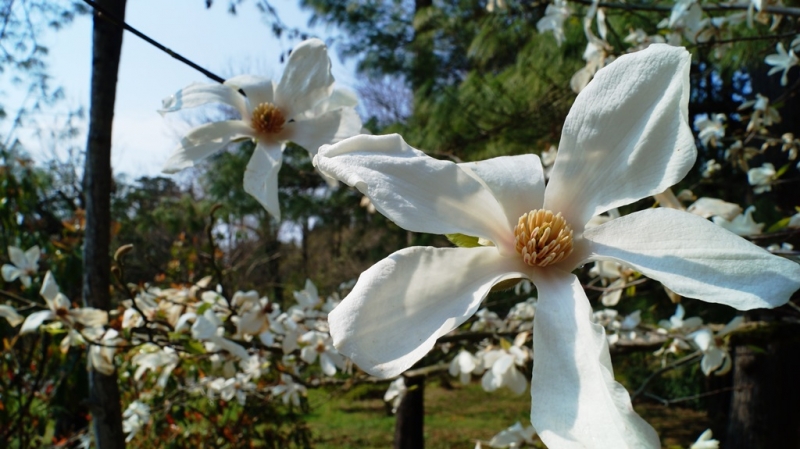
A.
x: 34, y: 320
x: 576, y: 403
x: 261, y: 177
x: 204, y: 141
x: 415, y: 191
x: 626, y: 136
x: 327, y: 128
x: 695, y: 258
x: 402, y: 304
x: 307, y: 79
x: 199, y: 94
x: 258, y: 90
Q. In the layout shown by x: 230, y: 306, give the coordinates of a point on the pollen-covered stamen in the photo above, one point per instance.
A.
x: 267, y: 119
x: 543, y: 238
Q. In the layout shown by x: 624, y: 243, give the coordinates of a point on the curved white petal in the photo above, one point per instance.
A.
x: 712, y: 360
x: 327, y: 364
x: 626, y: 136
x: 261, y: 177
x: 576, y: 403
x: 402, y: 304
x: 517, y: 182
x: 17, y: 257
x: 415, y: 191
x: 327, y: 128
x: 32, y: 256
x: 10, y: 314
x: 34, y: 320
x: 258, y: 90
x: 49, y: 290
x: 307, y: 79
x: 10, y: 273
x: 340, y: 98
x: 89, y: 316
x: 198, y: 94
x: 696, y: 258
x: 204, y: 141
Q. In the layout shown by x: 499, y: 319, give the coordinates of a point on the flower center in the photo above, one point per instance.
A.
x: 267, y: 119
x: 543, y: 238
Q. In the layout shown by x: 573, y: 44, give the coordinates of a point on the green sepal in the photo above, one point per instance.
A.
x: 780, y: 224
x: 463, y: 241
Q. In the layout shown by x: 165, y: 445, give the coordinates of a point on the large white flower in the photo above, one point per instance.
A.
x: 59, y: 308
x: 626, y: 138
x: 303, y: 108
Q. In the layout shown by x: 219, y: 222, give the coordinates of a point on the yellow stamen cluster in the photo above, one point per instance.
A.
x: 543, y: 238
x: 267, y: 119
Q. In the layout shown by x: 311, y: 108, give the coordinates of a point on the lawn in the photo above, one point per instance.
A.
x: 456, y: 416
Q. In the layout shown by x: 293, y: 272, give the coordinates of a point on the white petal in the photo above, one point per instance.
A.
x: 576, y: 403
x: 712, y: 360
x: 626, y: 136
x: 49, y: 290
x: 90, y: 317
x: 198, y: 94
x: 10, y: 314
x: 261, y: 177
x: 32, y: 256
x: 34, y: 320
x: 204, y: 141
x: 695, y: 258
x: 327, y: 128
x: 17, y: 257
x: 11, y: 273
x: 517, y: 182
x: 417, y: 192
x: 307, y: 79
x: 402, y: 304
x: 258, y: 90
x: 326, y: 362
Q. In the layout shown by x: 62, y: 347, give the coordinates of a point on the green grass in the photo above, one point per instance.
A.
x: 455, y: 417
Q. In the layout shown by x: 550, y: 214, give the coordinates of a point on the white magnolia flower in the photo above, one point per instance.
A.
x: 764, y: 114
x: 513, y: 437
x: 705, y: 441
x: 308, y: 297
x: 708, y: 207
x: 782, y: 61
x: 101, y: 356
x: 761, y: 178
x: 208, y: 328
x: 501, y: 370
x: 23, y: 265
x: 495, y: 5
x: 710, y: 167
x: 553, y: 20
x: 302, y: 107
x: 677, y: 322
x: 59, y: 308
x: 319, y: 344
x: 136, y: 416
x: 742, y: 224
x: 152, y: 357
x: 289, y: 391
x: 715, y: 359
x: 402, y: 304
x: 710, y: 129
x: 463, y: 365
x: 397, y: 390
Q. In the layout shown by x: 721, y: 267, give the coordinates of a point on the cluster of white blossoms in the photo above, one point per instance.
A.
x: 630, y: 125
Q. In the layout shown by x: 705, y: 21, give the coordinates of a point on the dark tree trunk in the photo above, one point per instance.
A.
x: 409, y: 427
x: 104, y: 398
x: 764, y: 411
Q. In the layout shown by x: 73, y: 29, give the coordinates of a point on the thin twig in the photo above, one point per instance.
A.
x: 682, y: 361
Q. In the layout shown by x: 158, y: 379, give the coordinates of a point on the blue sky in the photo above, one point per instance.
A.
x: 142, y: 139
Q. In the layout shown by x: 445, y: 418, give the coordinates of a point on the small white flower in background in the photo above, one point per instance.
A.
x: 10, y: 314
x: 710, y: 129
x: 715, y: 359
x: 463, y: 365
x: 782, y: 61
x: 238, y: 386
x: 741, y: 225
x: 790, y: 145
x: 631, y: 321
x: 513, y: 437
x: 101, y: 356
x: 487, y: 321
x: 553, y: 20
x: 676, y: 321
x: 764, y: 114
x: 426, y: 292
x: 208, y: 328
x: 708, y: 207
x: 395, y: 393
x: 302, y: 108
x: 319, y: 344
x: 59, y: 308
x: 308, y: 297
x: 136, y: 416
x: 705, y: 441
x: 153, y: 357
x: 289, y: 390
x: 495, y: 5
x: 501, y: 369
x: 761, y: 178
x: 23, y: 265
x: 710, y: 167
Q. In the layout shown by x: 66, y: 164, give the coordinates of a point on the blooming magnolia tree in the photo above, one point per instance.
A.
x: 587, y: 231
